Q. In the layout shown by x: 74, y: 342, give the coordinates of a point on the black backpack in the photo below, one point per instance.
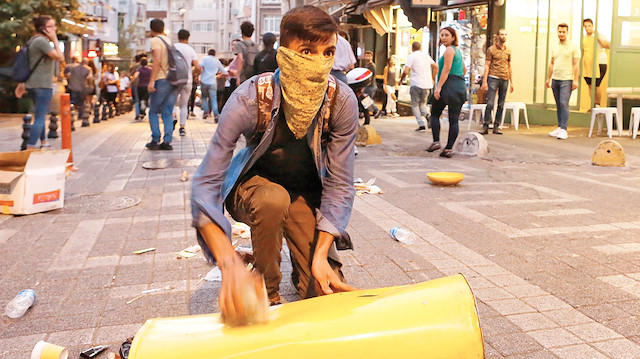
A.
x: 249, y: 57
x: 20, y: 71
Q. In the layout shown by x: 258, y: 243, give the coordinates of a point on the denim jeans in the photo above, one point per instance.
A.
x: 162, y: 101
x: 41, y: 98
x: 77, y: 99
x: 418, y: 103
x: 499, y: 86
x: 183, y: 102
x: 562, y: 93
x: 209, y: 99
x: 136, y: 100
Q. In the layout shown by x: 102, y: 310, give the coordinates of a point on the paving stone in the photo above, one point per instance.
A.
x: 514, y: 343
x: 71, y: 338
x: 531, y: 321
x: 556, y: 337
x: 619, y: 349
x: 510, y: 306
x: 116, y: 333
x: 592, y: 332
x: 579, y: 351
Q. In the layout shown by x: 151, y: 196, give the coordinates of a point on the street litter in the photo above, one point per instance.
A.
x: 149, y: 291
x: 189, y: 251
x: 125, y: 348
x: 184, y: 177
x: 214, y: 275
x: 93, y: 352
x: 20, y: 303
x: 367, y: 187
x: 44, y: 350
x: 241, y: 230
x: 402, y: 235
x: 113, y: 356
x: 144, y: 250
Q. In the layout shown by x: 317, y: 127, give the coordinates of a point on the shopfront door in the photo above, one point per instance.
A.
x: 625, y: 44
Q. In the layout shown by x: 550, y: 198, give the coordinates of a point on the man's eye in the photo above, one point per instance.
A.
x: 329, y: 53
x: 306, y: 52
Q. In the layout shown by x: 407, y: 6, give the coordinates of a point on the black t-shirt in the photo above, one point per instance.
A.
x: 288, y: 161
x: 265, y: 61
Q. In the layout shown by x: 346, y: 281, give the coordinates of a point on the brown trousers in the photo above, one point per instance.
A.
x: 273, y: 213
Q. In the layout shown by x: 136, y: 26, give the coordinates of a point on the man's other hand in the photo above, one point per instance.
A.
x: 243, y: 297
x: 327, y: 281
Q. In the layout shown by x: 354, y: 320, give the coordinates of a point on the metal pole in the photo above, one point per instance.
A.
x: 546, y: 64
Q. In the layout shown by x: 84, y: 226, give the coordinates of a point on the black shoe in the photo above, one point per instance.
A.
x: 421, y: 129
x: 174, y: 124
x: 165, y: 146
x: 182, y: 131
x: 153, y: 146
x: 496, y: 132
x: 191, y: 114
x: 446, y: 153
x: 434, y: 146
x: 485, y: 131
x: 204, y: 117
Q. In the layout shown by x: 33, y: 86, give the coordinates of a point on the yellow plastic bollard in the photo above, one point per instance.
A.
x: 436, y: 319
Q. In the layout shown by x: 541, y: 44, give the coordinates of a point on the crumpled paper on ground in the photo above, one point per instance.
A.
x: 366, y: 187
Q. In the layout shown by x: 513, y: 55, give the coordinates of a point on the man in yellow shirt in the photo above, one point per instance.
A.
x: 588, y: 48
x: 163, y: 94
x: 563, y: 78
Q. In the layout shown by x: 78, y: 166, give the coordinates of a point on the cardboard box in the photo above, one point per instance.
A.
x: 32, y: 181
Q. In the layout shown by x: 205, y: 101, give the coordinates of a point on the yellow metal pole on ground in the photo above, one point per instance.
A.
x: 436, y: 319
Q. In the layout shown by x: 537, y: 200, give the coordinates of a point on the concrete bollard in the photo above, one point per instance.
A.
x: 104, y: 111
x: 96, y: 112
x: 26, y: 131
x: 471, y: 144
x: 53, y: 125
x: 608, y: 153
x: 74, y: 115
x: 367, y: 135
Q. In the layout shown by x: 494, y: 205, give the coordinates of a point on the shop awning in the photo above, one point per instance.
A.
x: 380, y: 17
x: 417, y: 16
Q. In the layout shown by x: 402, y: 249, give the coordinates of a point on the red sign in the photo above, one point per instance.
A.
x: 6, y: 203
x: 46, y: 197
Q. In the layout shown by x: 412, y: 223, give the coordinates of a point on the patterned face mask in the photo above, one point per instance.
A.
x: 303, y: 81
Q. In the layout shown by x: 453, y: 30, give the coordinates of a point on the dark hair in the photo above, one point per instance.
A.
x: 368, y: 52
x: 183, y: 35
x: 415, y: 46
x: 212, y: 52
x: 307, y: 23
x: 41, y: 21
x: 564, y: 25
x: 143, y: 61
x: 246, y: 28
x: 157, y: 26
x: 453, y: 33
x: 268, y: 39
x: 587, y: 20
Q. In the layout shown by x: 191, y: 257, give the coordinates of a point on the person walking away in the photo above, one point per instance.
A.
x: 189, y: 55
x: 40, y: 83
x: 77, y: 76
x: 163, y: 94
x: 279, y: 191
x: 111, y: 80
x: 246, y: 51
x: 194, y: 89
x: 125, y: 83
x: 496, y: 79
x: 345, y: 60
x: 371, y: 86
x: 390, y: 86
x: 266, y: 59
x: 221, y: 79
x: 211, y: 66
x: 143, y: 76
x: 134, y: 83
x: 418, y: 65
x: 450, y: 91
x: 563, y: 78
x: 588, y: 48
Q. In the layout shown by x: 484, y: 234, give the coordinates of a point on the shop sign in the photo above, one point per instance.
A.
x: 427, y: 3
x: 110, y: 49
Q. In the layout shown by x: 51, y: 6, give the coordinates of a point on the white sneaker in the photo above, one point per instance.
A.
x: 562, y: 135
x: 555, y: 132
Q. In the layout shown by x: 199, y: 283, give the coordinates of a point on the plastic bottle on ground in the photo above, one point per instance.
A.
x: 19, y: 305
x: 402, y: 235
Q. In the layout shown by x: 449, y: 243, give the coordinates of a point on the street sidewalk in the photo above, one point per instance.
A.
x: 547, y: 241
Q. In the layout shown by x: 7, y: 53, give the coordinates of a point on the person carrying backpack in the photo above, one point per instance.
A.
x: 163, y: 93
x: 246, y: 51
x: 265, y: 61
x: 42, y: 64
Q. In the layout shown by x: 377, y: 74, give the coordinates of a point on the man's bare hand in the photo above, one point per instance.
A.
x: 485, y: 86
x: 243, y: 297
x: 327, y: 281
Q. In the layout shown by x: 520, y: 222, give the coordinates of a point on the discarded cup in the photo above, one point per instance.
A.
x: 44, y: 350
x: 184, y: 177
x: 402, y: 235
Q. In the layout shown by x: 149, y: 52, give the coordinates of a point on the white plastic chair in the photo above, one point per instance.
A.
x: 515, y: 108
x: 608, y: 113
x: 634, y: 121
x: 472, y: 111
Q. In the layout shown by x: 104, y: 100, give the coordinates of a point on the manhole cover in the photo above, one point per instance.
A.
x: 99, y: 203
x: 171, y: 163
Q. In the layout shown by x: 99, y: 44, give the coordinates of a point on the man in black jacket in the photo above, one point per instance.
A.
x: 266, y: 59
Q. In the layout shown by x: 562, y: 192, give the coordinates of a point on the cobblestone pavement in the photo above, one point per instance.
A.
x: 548, y: 242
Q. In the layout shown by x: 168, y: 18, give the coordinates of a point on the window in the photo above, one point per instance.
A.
x: 176, y: 26
x: 204, y: 26
x: 205, y: 4
x: 630, y: 34
x: 203, y: 48
x: 177, y: 5
x: 156, y: 5
x: 271, y: 24
x: 271, y: 1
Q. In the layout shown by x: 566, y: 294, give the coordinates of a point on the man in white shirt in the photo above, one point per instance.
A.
x: 345, y: 60
x: 418, y: 63
x: 189, y: 55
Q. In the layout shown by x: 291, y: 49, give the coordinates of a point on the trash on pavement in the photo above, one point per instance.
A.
x: 44, y: 350
x: 144, y: 250
x: 402, y: 235
x: 20, y: 304
x: 93, y: 352
x: 184, y: 177
x: 367, y: 187
x: 111, y: 355
x: 156, y: 290
x: 214, y: 275
x: 125, y: 347
x: 241, y: 230
x: 189, y: 251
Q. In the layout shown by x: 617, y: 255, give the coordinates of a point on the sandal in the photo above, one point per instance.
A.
x: 434, y: 146
x: 446, y: 153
